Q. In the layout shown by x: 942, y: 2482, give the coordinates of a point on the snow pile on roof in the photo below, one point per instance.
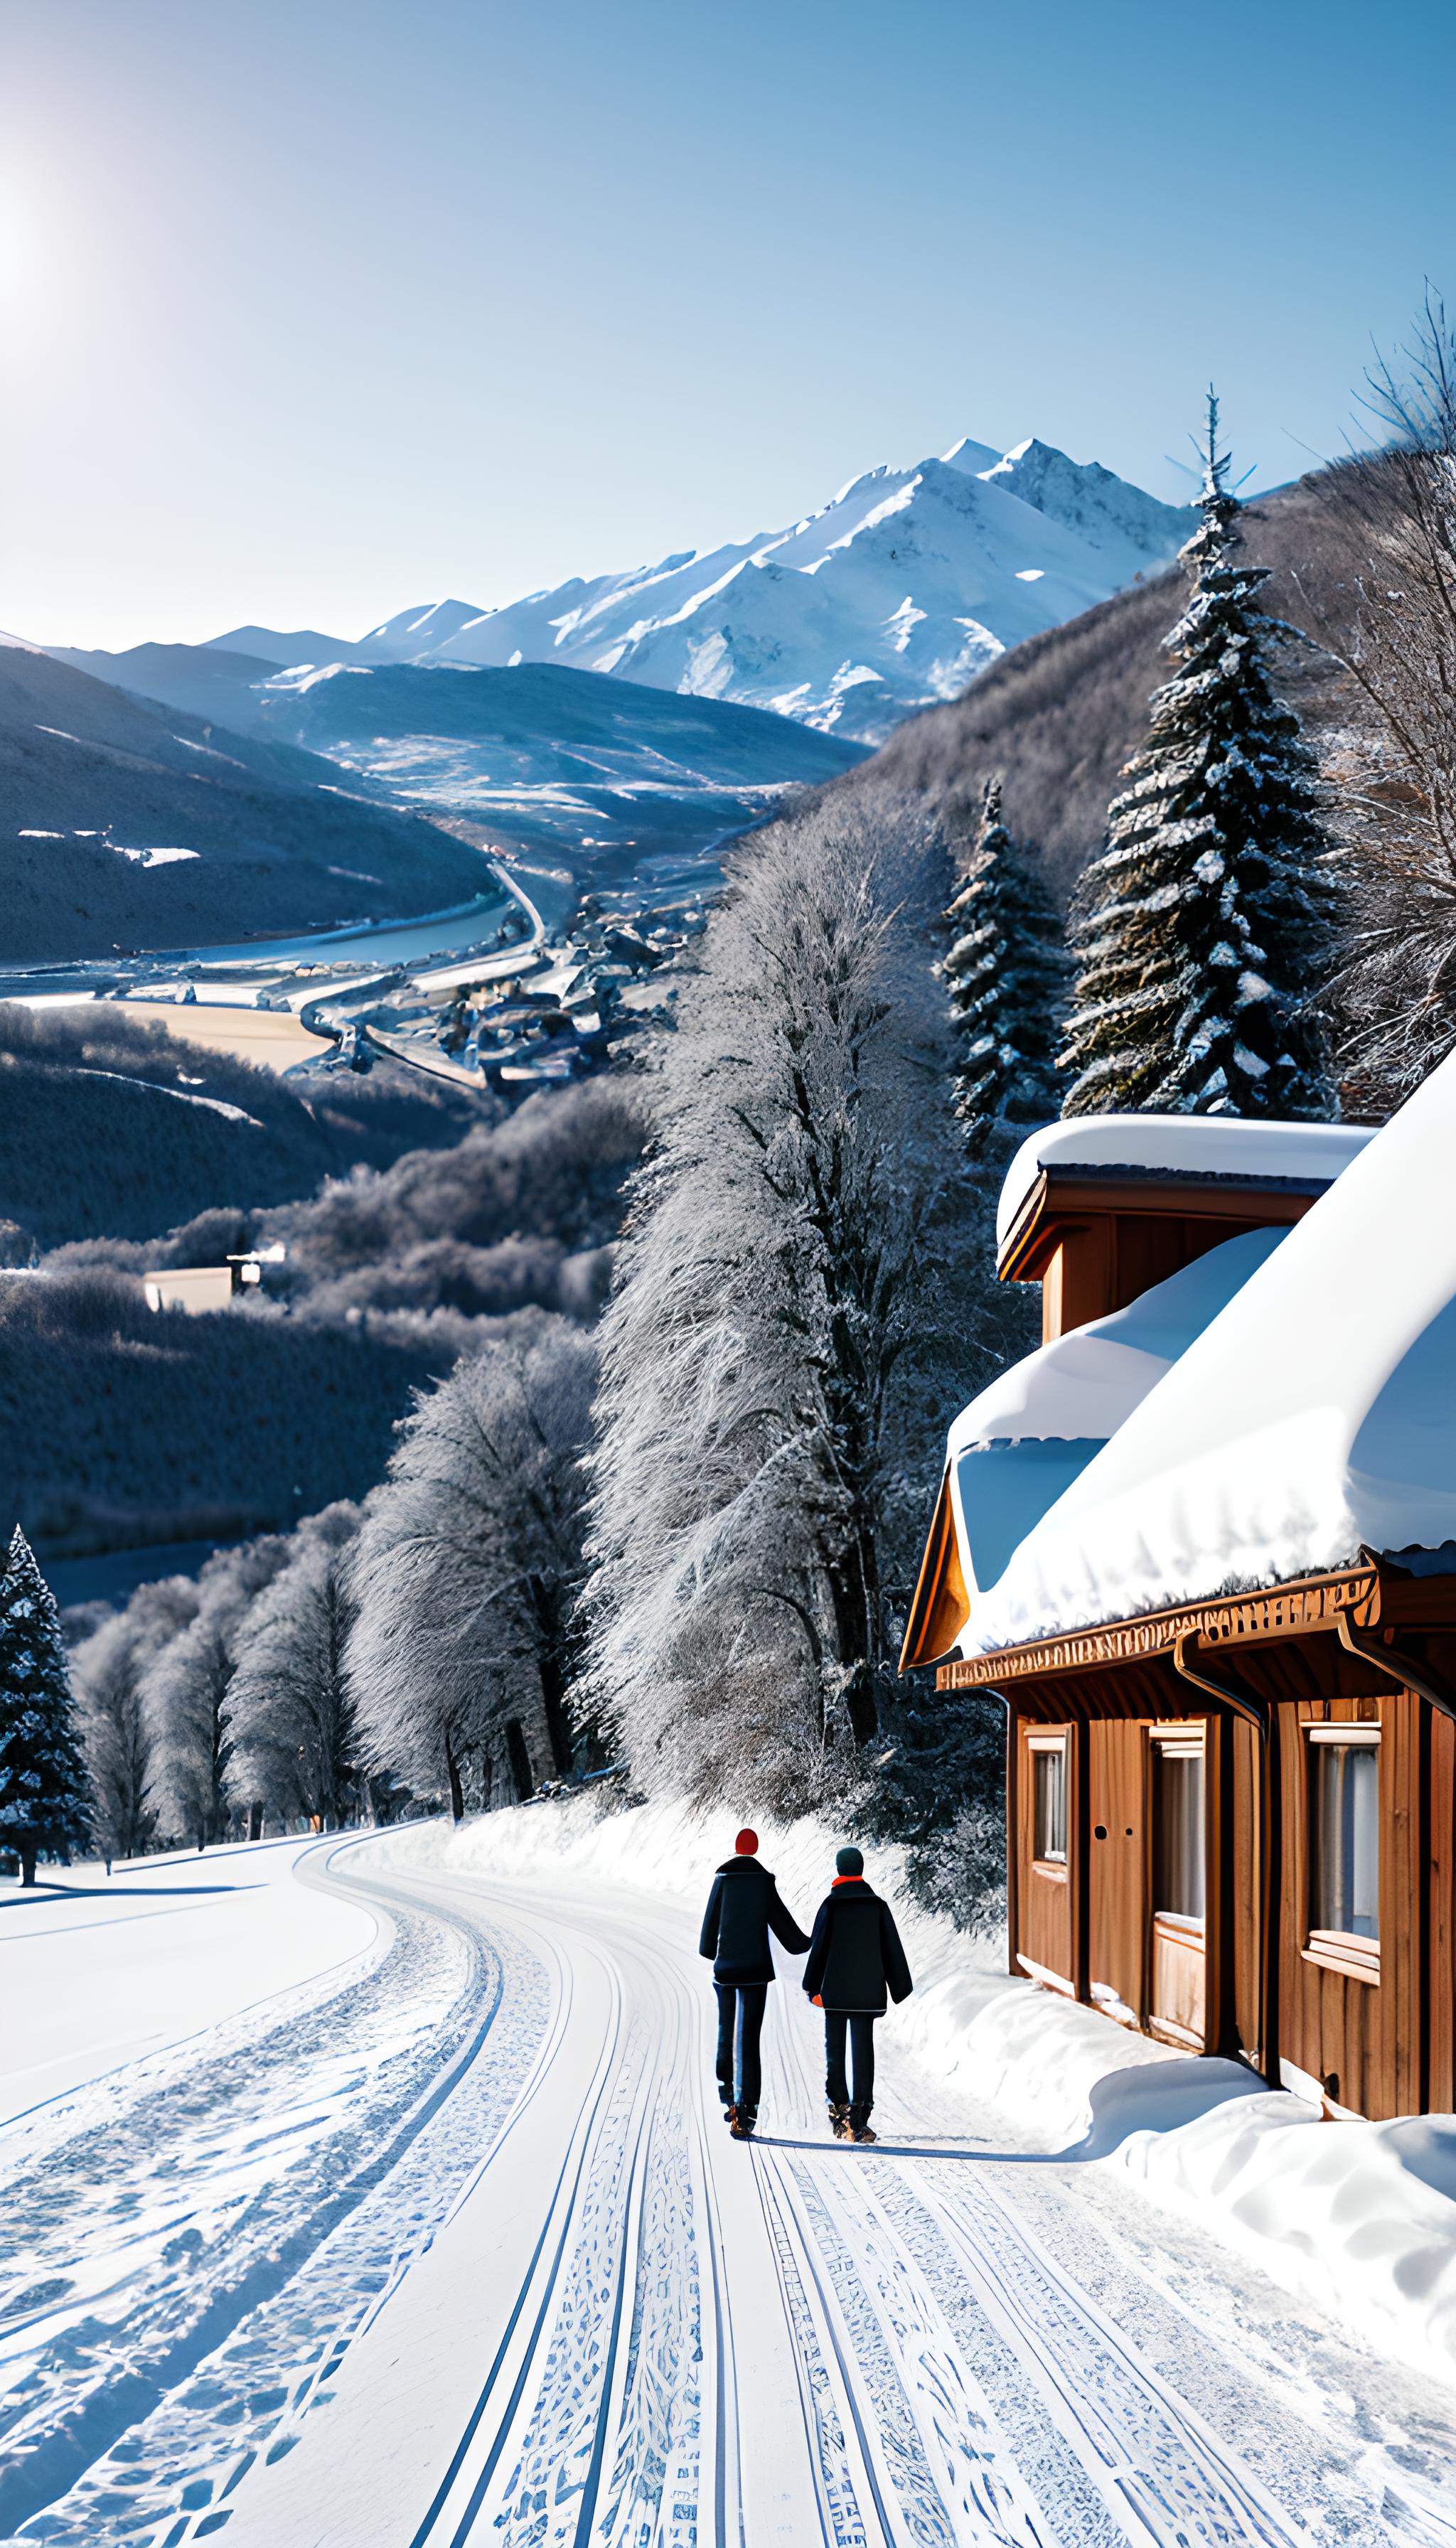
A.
x: 1018, y: 1446
x: 1190, y: 1145
x: 1315, y: 1414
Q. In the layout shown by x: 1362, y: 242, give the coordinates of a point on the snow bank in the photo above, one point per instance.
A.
x: 1358, y: 2220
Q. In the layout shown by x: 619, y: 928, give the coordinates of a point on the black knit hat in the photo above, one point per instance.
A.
x: 851, y: 1860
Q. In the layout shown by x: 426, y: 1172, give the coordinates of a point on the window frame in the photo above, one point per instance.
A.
x: 1042, y: 1747
x: 1178, y: 1742
x: 1338, y: 1951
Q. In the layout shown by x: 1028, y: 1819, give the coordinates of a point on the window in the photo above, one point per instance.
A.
x: 1178, y: 1828
x: 1048, y: 1801
x: 1344, y: 1820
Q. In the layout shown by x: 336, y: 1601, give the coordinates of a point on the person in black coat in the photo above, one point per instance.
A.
x: 854, y: 1958
x: 743, y: 1907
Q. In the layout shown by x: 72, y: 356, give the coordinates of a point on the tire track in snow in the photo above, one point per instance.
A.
x: 599, y: 2431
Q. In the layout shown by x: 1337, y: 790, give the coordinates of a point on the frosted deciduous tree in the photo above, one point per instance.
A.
x: 189, y: 1695
x: 294, y: 1719
x: 1006, y: 972
x: 45, y: 1801
x: 767, y: 1439
x: 1203, y: 939
x: 1394, y: 765
x: 117, y: 1731
x: 467, y: 1569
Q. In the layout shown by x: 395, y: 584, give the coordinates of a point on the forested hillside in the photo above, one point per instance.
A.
x: 119, y: 1425
x: 1060, y: 714
x: 109, y: 1126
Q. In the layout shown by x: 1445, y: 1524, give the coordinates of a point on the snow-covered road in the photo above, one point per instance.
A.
x: 460, y: 2250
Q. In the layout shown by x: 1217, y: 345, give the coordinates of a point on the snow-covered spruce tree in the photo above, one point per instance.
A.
x: 1006, y: 971
x: 1203, y: 936
x: 467, y: 1569
x: 787, y: 1333
x: 45, y: 1801
x: 294, y: 1719
x: 110, y: 1672
x: 188, y: 1695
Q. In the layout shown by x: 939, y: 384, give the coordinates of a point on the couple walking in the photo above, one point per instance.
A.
x: 854, y: 1958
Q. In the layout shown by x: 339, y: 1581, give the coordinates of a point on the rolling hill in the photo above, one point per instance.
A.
x: 124, y: 823
x: 606, y: 776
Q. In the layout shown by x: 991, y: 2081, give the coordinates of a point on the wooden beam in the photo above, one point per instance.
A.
x: 1285, y: 1610
x: 1085, y: 1193
x: 1396, y: 1661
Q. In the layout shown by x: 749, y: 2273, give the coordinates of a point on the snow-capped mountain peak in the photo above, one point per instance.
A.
x: 975, y: 458
x: 905, y: 584
x: 890, y: 597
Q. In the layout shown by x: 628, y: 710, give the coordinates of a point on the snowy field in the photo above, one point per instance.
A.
x: 380, y: 2195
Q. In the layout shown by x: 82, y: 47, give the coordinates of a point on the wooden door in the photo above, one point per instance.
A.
x: 1047, y: 1816
x: 1117, y: 1870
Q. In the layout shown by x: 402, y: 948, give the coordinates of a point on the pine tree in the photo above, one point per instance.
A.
x: 1006, y: 970
x: 1207, y: 926
x: 44, y: 1796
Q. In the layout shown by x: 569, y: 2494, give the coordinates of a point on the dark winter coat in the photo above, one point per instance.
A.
x: 743, y: 1907
x: 855, y: 1954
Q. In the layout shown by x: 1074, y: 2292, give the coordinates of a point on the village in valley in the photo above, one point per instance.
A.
x: 727, y: 1297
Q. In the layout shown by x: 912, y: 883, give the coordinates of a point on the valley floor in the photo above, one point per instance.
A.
x: 442, y: 2240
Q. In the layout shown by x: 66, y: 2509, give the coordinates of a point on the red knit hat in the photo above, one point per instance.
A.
x: 747, y: 1843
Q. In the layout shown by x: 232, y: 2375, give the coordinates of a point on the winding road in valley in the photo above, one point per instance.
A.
x: 445, y: 2243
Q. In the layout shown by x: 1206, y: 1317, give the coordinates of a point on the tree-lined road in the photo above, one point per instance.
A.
x: 476, y: 2260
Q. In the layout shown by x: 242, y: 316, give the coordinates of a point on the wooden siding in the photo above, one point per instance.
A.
x: 1379, y: 2046
x: 1440, y: 1855
x: 1095, y: 1240
x: 1374, y: 2027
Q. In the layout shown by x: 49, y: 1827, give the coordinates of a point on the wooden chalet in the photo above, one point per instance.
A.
x: 1225, y: 1631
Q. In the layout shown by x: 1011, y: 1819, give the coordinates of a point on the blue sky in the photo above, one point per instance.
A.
x: 310, y: 309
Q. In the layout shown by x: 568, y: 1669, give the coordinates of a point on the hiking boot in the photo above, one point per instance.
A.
x: 743, y: 2124
x: 839, y: 2121
x: 862, y: 2132
x: 730, y: 2114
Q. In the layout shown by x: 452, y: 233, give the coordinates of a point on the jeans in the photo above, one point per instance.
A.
x: 860, y: 2026
x: 741, y: 2007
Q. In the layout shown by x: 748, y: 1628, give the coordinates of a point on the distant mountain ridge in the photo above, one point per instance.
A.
x: 124, y: 823
x: 888, y: 599
x: 610, y: 777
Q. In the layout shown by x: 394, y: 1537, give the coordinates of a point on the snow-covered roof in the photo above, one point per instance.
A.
x: 1315, y: 1415
x: 1203, y: 1146
x: 1037, y: 1424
